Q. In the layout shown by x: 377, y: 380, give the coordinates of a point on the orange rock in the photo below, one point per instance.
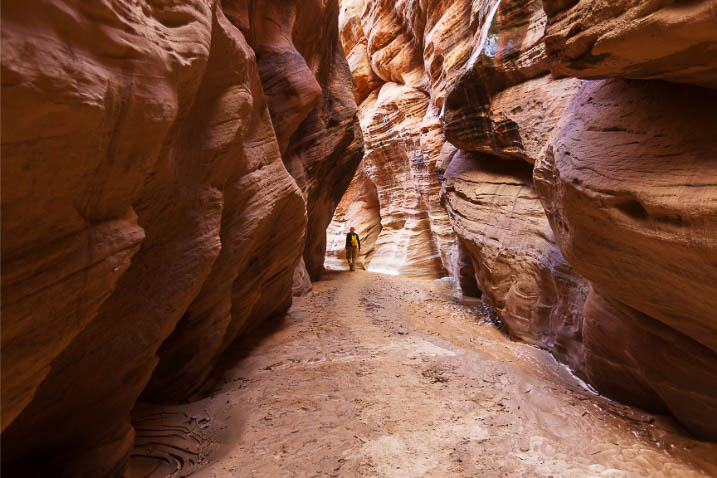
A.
x: 520, y: 271
x: 327, y: 146
x: 171, y: 225
x: 650, y: 39
x: 623, y: 187
x: 636, y: 359
x: 359, y: 208
x: 403, y: 137
x: 629, y: 185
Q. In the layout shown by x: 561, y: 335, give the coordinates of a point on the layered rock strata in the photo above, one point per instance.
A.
x: 477, y: 75
x: 403, y: 138
x: 519, y: 269
x: 500, y: 111
x: 628, y: 197
x: 584, y: 205
x: 147, y: 212
x: 307, y: 84
x: 632, y: 196
x: 628, y: 183
x: 651, y: 39
x: 360, y: 207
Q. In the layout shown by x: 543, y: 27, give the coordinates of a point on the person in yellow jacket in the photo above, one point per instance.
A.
x: 353, y: 247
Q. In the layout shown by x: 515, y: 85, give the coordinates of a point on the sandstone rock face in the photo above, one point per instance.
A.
x: 636, y: 359
x: 402, y: 134
x: 634, y: 39
x: 311, y: 104
x: 392, y: 119
x: 629, y: 184
x: 474, y: 73
x: 501, y: 111
x: 327, y: 146
x: 586, y: 206
x: 148, y: 215
x: 624, y: 172
x: 359, y: 208
x: 497, y: 213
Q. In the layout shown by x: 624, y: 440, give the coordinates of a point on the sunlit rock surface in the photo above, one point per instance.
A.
x: 556, y: 184
x: 476, y: 74
x: 402, y: 133
x: 359, y: 208
x: 147, y: 212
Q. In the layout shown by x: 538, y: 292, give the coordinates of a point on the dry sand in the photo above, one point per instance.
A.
x: 375, y: 375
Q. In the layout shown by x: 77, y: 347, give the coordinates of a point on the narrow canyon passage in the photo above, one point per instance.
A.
x: 179, y: 178
x: 377, y: 375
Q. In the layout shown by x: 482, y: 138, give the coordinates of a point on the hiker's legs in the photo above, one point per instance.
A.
x: 351, y: 255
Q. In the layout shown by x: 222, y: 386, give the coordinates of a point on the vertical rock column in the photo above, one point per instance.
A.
x: 308, y: 84
x: 630, y: 193
x: 629, y: 185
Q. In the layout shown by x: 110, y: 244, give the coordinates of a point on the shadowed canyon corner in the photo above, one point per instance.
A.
x: 533, y: 186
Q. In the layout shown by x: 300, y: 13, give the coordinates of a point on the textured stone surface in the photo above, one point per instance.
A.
x: 402, y: 131
x: 391, y: 119
x: 624, y: 170
x: 148, y: 215
x: 653, y: 39
x: 164, y: 167
x: 515, y: 124
x: 310, y: 100
x: 501, y: 110
x: 625, y: 173
x: 628, y: 185
x: 327, y: 147
x: 518, y: 265
x: 636, y: 359
x: 358, y: 208
x: 630, y: 188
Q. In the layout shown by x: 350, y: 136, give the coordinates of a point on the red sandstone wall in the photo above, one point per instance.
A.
x: 586, y: 204
x: 148, y: 216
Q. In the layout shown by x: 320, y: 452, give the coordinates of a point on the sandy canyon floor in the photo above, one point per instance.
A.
x: 374, y: 375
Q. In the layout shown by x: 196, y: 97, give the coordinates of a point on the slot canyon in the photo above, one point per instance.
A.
x: 534, y: 185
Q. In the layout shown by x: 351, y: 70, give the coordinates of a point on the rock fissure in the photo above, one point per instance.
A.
x: 173, y: 175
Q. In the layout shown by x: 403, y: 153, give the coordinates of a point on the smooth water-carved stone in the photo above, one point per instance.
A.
x: 520, y: 271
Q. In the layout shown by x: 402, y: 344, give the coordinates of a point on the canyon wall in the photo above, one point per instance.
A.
x: 573, y: 144
x: 629, y: 184
x: 403, y: 141
x: 163, y: 167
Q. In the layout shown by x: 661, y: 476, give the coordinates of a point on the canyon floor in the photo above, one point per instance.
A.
x: 375, y: 375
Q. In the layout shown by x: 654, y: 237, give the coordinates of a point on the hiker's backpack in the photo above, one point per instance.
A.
x: 354, y: 240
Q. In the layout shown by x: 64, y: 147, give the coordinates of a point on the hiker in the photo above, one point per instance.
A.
x: 353, y: 247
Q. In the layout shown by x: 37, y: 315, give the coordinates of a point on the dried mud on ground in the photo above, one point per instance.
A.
x: 376, y: 375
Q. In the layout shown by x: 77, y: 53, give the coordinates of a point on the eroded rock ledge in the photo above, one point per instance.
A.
x: 163, y: 166
x: 582, y: 187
